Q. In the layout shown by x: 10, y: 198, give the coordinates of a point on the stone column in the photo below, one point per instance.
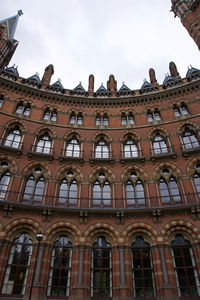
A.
x: 121, y: 273
x: 80, y: 285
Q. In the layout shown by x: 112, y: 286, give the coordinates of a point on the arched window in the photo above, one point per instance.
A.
x: 60, y: 268
x: 76, y: 119
x: 4, y: 184
x: 130, y: 148
x: 185, y: 267
x: 184, y: 109
x: 50, y: 115
x: 101, y: 150
x: 142, y: 269
x: 73, y: 148
x: 135, y: 193
x: 196, y: 177
x: 68, y: 191
x: 127, y: 119
x: 169, y: 189
x: 159, y: 145
x: 23, y: 109
x: 190, y: 140
x: 101, y: 269
x: 44, y: 144
x: 101, y: 191
x: 101, y: 120
x: 13, y: 138
x: 181, y: 110
x: 34, y: 188
x: 153, y: 116
x: 17, y: 270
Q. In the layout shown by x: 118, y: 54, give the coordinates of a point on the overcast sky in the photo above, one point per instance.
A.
x: 101, y: 37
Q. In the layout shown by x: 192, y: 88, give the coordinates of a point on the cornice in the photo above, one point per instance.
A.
x: 164, y: 92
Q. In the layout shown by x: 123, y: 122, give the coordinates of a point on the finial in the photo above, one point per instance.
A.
x: 123, y: 83
x: 59, y: 79
x: 20, y: 13
x: 144, y: 80
x: 79, y: 82
x: 102, y: 84
x: 13, y: 65
x: 37, y: 73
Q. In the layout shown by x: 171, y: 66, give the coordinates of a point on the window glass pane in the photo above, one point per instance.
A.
x: 184, y: 110
x: 63, y: 192
x: 177, y: 111
x: 124, y: 120
x: 130, y: 193
x: 174, y: 190
x: 96, y: 193
x: 19, y: 109
x: 27, y: 110
x: 105, y: 121
x: 140, y: 192
x: 150, y: 117
x: 164, y: 191
x: 130, y: 120
x: 157, y: 116
x: 28, y: 192
x: 39, y: 189
x: 80, y: 120
x: 106, y: 194
x: 73, y: 190
x: 46, y: 115
x: 53, y: 116
x: 197, y: 182
x: 98, y: 120
x: 72, y: 119
x: 4, y: 183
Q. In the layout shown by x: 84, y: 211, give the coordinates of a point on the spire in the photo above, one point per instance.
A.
x: 11, y: 24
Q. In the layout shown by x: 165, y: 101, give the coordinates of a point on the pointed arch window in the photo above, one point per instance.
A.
x: 159, y: 145
x: 142, y: 269
x: 4, y: 184
x: 130, y: 148
x: 101, y: 269
x: 44, y: 145
x: 34, y: 188
x: 135, y: 193
x: 15, y: 280
x: 190, y: 140
x: 197, y: 182
x: 60, y: 268
x: 102, y: 150
x: 185, y: 267
x: 169, y: 189
x: 68, y: 193
x: 101, y: 194
x: 73, y: 148
x: 13, y: 138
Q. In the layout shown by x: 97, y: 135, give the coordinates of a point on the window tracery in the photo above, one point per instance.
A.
x: 101, y: 190
x: 44, y: 144
x: 34, y: 186
x: 180, y: 110
x: 190, y: 139
x: 169, y: 189
x: 68, y: 189
x: 13, y: 138
x: 76, y: 119
x: 153, y: 115
x: 102, y: 120
x: 50, y: 115
x: 23, y: 109
x: 135, y: 194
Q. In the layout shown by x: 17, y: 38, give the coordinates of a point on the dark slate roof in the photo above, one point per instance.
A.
x: 124, y: 88
x: 102, y: 89
x: 12, y: 24
x: 35, y: 78
x: 12, y: 70
x: 79, y: 88
x: 146, y: 84
x: 191, y: 71
x: 57, y: 84
x: 168, y: 78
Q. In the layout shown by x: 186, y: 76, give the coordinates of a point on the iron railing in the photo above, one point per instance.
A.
x: 183, y: 200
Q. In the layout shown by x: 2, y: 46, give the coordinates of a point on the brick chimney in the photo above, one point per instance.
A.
x: 152, y: 76
x: 173, y: 70
x: 111, y: 84
x: 91, y: 83
x: 46, y: 79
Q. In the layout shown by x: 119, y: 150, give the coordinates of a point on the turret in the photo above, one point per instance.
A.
x: 189, y: 11
x: 8, y: 44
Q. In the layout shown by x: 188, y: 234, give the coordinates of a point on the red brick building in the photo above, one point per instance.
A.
x: 110, y: 178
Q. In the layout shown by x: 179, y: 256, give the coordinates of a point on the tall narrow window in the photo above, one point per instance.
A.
x: 101, y: 150
x: 130, y: 149
x: 68, y: 192
x: 101, y: 273
x: 185, y: 267
x: 60, y: 268
x: 50, y: 115
x: 73, y: 148
x: 4, y: 184
x: 169, y: 189
x: 197, y: 182
x: 15, y: 279
x: 184, y: 109
x: 135, y: 193
x: 177, y: 111
x: 190, y: 140
x: 13, y: 138
x: 34, y: 188
x: 101, y: 120
x: 44, y: 145
x: 159, y: 145
x: 143, y: 278
x: 1, y: 101
x: 101, y: 194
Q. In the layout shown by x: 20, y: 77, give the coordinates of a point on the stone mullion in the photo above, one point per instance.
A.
x: 79, y: 283
x: 4, y: 254
x: 196, y: 250
x: 167, y: 288
x: 121, y: 270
